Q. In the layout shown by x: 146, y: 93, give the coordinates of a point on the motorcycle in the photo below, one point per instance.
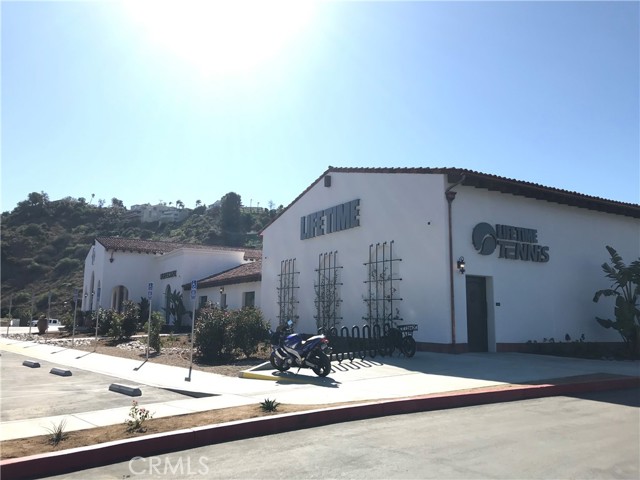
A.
x: 288, y: 350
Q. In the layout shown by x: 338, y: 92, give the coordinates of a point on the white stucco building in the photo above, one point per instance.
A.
x: 119, y: 269
x: 371, y: 246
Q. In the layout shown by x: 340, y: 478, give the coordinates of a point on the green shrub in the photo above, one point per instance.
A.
x: 33, y: 230
x: 211, y: 334
x: 67, y: 265
x: 155, y: 341
x: 130, y: 318
x: 247, y: 330
x: 34, y: 268
x: 143, y: 312
x: 109, y: 323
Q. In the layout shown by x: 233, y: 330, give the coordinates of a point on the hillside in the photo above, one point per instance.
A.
x: 44, y: 243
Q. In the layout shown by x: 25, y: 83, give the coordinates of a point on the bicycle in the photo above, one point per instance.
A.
x: 401, y: 337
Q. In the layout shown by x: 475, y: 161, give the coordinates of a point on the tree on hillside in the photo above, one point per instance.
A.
x: 38, y: 199
x: 115, y: 203
x: 231, y: 220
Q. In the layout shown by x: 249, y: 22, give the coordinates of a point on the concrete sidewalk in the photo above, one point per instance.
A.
x: 379, y: 386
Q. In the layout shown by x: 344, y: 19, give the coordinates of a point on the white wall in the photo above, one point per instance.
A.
x: 234, y: 293
x: 403, y: 208
x: 129, y: 269
x: 136, y: 270
x: 542, y: 300
x: 537, y: 300
x: 191, y: 264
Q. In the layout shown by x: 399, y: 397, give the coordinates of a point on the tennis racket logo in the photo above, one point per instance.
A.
x: 484, y: 238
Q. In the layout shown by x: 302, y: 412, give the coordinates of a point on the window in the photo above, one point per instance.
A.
x: 223, y: 300
x: 249, y: 299
x: 167, y: 304
x: 119, y: 295
x: 203, y: 301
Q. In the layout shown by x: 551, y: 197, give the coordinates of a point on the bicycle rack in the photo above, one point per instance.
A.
x: 368, y: 341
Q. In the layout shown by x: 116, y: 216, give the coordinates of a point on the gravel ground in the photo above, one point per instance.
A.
x: 175, y: 351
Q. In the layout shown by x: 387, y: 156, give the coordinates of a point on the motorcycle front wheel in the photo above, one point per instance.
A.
x: 277, y: 363
x: 324, y: 365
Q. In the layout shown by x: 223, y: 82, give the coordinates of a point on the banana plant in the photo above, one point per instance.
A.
x: 625, y: 287
x: 176, y: 307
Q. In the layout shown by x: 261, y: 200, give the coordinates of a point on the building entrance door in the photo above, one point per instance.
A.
x: 477, y: 330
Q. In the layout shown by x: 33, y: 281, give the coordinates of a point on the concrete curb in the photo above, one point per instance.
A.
x: 274, y: 378
x: 125, y: 389
x: 71, y: 460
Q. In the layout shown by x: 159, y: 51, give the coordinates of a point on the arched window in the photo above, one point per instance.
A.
x: 119, y: 295
x: 91, y: 293
x: 167, y: 304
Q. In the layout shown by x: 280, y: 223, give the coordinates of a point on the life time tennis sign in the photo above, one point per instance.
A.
x: 330, y: 220
x: 514, y: 243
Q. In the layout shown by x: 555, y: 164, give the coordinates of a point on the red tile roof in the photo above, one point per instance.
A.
x: 153, y: 247
x: 247, y: 272
x: 495, y: 183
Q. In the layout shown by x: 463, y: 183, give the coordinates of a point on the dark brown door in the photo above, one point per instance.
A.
x: 477, y: 331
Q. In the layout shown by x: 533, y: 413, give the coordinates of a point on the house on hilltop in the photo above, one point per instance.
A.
x: 159, y: 213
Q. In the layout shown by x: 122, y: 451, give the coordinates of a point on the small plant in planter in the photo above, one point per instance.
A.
x: 269, y: 405
x: 57, y: 433
x: 137, y: 417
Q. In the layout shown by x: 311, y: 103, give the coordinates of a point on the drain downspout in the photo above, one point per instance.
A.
x: 450, y: 196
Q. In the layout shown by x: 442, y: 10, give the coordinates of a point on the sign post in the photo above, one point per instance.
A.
x: 149, y: 297
x: 194, y: 290
x: 95, y: 345
x: 49, y: 307
x: 10, y: 319
x: 75, y: 310
x: 31, y: 314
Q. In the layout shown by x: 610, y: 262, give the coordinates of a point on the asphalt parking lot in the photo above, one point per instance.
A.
x: 35, y: 392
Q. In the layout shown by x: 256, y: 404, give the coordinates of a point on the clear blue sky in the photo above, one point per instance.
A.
x: 192, y: 101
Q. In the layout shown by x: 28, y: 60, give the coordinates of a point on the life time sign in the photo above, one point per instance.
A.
x: 330, y: 220
x: 514, y: 243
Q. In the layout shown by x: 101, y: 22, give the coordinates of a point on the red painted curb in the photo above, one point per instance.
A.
x: 71, y: 460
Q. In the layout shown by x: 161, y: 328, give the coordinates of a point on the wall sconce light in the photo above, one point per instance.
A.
x: 461, y: 265
x: 221, y: 290
x: 111, y: 259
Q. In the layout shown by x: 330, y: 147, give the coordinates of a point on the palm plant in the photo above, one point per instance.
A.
x: 625, y: 287
x: 176, y: 308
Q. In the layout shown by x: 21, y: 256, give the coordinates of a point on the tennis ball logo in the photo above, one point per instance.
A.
x: 484, y: 238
